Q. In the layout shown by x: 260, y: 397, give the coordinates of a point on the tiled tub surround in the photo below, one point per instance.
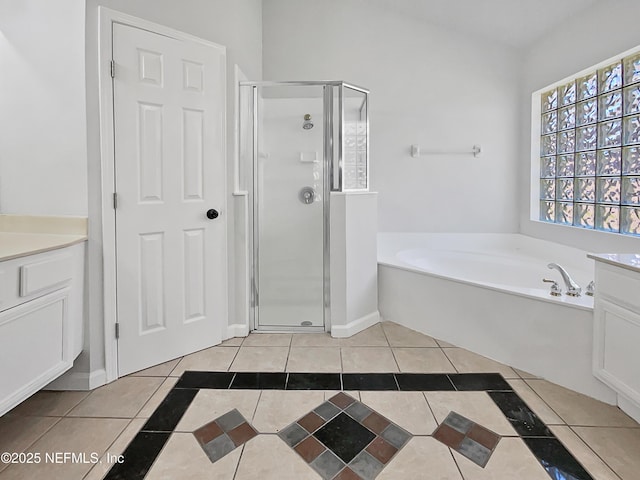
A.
x: 423, y: 277
x: 600, y: 437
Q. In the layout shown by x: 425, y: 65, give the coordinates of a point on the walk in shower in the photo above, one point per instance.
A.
x: 299, y: 142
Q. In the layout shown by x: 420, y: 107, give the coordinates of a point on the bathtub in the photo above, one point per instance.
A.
x: 484, y: 292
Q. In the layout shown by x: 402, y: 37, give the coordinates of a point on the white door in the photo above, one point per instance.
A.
x: 169, y: 173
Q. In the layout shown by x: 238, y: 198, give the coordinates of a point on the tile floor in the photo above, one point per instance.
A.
x: 101, y: 424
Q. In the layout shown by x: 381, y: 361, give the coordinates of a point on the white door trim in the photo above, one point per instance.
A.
x: 107, y: 18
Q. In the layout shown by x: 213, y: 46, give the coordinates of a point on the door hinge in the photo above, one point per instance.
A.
x: 117, y: 330
x: 115, y: 200
x: 112, y: 69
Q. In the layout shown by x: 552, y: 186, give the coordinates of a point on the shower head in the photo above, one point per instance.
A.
x: 307, y: 124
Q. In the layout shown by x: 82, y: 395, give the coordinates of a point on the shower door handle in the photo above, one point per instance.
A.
x: 212, y: 213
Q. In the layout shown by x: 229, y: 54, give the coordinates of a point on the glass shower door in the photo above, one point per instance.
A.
x: 289, y: 207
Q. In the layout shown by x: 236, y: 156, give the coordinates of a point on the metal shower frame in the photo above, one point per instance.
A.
x: 333, y: 182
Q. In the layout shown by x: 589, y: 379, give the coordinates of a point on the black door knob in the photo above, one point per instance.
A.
x: 212, y: 213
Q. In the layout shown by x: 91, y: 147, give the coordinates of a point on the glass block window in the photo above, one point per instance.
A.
x: 590, y: 150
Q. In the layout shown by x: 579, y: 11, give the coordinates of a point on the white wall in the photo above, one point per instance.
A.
x: 428, y: 86
x: 43, y: 153
x: 234, y: 24
x: 354, y: 262
x: 584, y: 40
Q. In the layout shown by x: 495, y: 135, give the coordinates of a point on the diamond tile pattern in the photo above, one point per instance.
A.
x: 467, y: 438
x: 344, y: 439
x: 224, y: 434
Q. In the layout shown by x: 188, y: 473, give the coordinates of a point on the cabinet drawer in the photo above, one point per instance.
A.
x: 45, y: 274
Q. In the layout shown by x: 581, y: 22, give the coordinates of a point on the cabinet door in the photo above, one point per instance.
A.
x: 32, y: 347
x: 616, y: 356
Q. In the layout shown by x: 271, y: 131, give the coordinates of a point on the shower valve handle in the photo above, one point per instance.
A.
x: 212, y: 213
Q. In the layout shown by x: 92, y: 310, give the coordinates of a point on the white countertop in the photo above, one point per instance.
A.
x: 22, y: 235
x: 630, y: 261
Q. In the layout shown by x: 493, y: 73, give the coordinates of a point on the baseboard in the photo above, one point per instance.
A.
x: 79, y: 381
x: 356, y: 326
x: 237, y: 330
x: 629, y: 407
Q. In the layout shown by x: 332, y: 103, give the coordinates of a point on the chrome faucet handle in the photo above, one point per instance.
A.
x: 556, y: 291
x: 591, y: 288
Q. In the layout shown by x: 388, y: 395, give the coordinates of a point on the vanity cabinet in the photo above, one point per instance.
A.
x: 616, y: 356
x: 41, y: 327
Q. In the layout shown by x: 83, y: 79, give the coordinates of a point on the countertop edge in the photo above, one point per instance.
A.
x: 605, y: 258
x: 68, y: 243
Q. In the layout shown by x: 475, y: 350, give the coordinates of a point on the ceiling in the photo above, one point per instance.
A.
x: 517, y: 23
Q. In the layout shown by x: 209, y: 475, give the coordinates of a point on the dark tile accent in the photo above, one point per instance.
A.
x: 556, y: 459
x: 311, y: 422
x: 366, y: 466
x: 458, y: 422
x: 327, y: 410
x: 314, y: 381
x: 424, y: 382
x: 242, y: 434
x: 230, y: 420
x: 327, y: 465
x: 369, y: 381
x: 467, y: 438
x: 170, y: 411
x: 483, y: 436
x: 146, y: 446
x: 191, y: 379
x: 260, y: 381
x: 347, y: 474
x: 342, y: 400
x: 376, y: 423
x: 309, y: 449
x: 479, y: 381
x: 219, y: 447
x: 447, y: 435
x: 235, y: 432
x: 345, y: 437
x: 474, y: 451
x: 396, y: 436
x: 521, y: 417
x: 348, y: 438
x: 381, y: 450
x: 293, y: 434
x: 207, y: 432
x: 139, y: 456
x: 358, y: 410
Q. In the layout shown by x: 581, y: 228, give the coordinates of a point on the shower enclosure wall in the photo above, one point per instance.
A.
x: 299, y: 141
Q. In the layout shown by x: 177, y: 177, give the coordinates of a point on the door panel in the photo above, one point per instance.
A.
x: 169, y: 170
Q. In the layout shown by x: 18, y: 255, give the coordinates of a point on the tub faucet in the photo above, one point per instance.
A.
x: 573, y: 289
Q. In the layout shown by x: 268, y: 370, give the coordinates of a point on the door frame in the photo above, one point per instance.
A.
x: 106, y: 18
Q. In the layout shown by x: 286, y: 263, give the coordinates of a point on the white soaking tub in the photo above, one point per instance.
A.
x: 484, y: 292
